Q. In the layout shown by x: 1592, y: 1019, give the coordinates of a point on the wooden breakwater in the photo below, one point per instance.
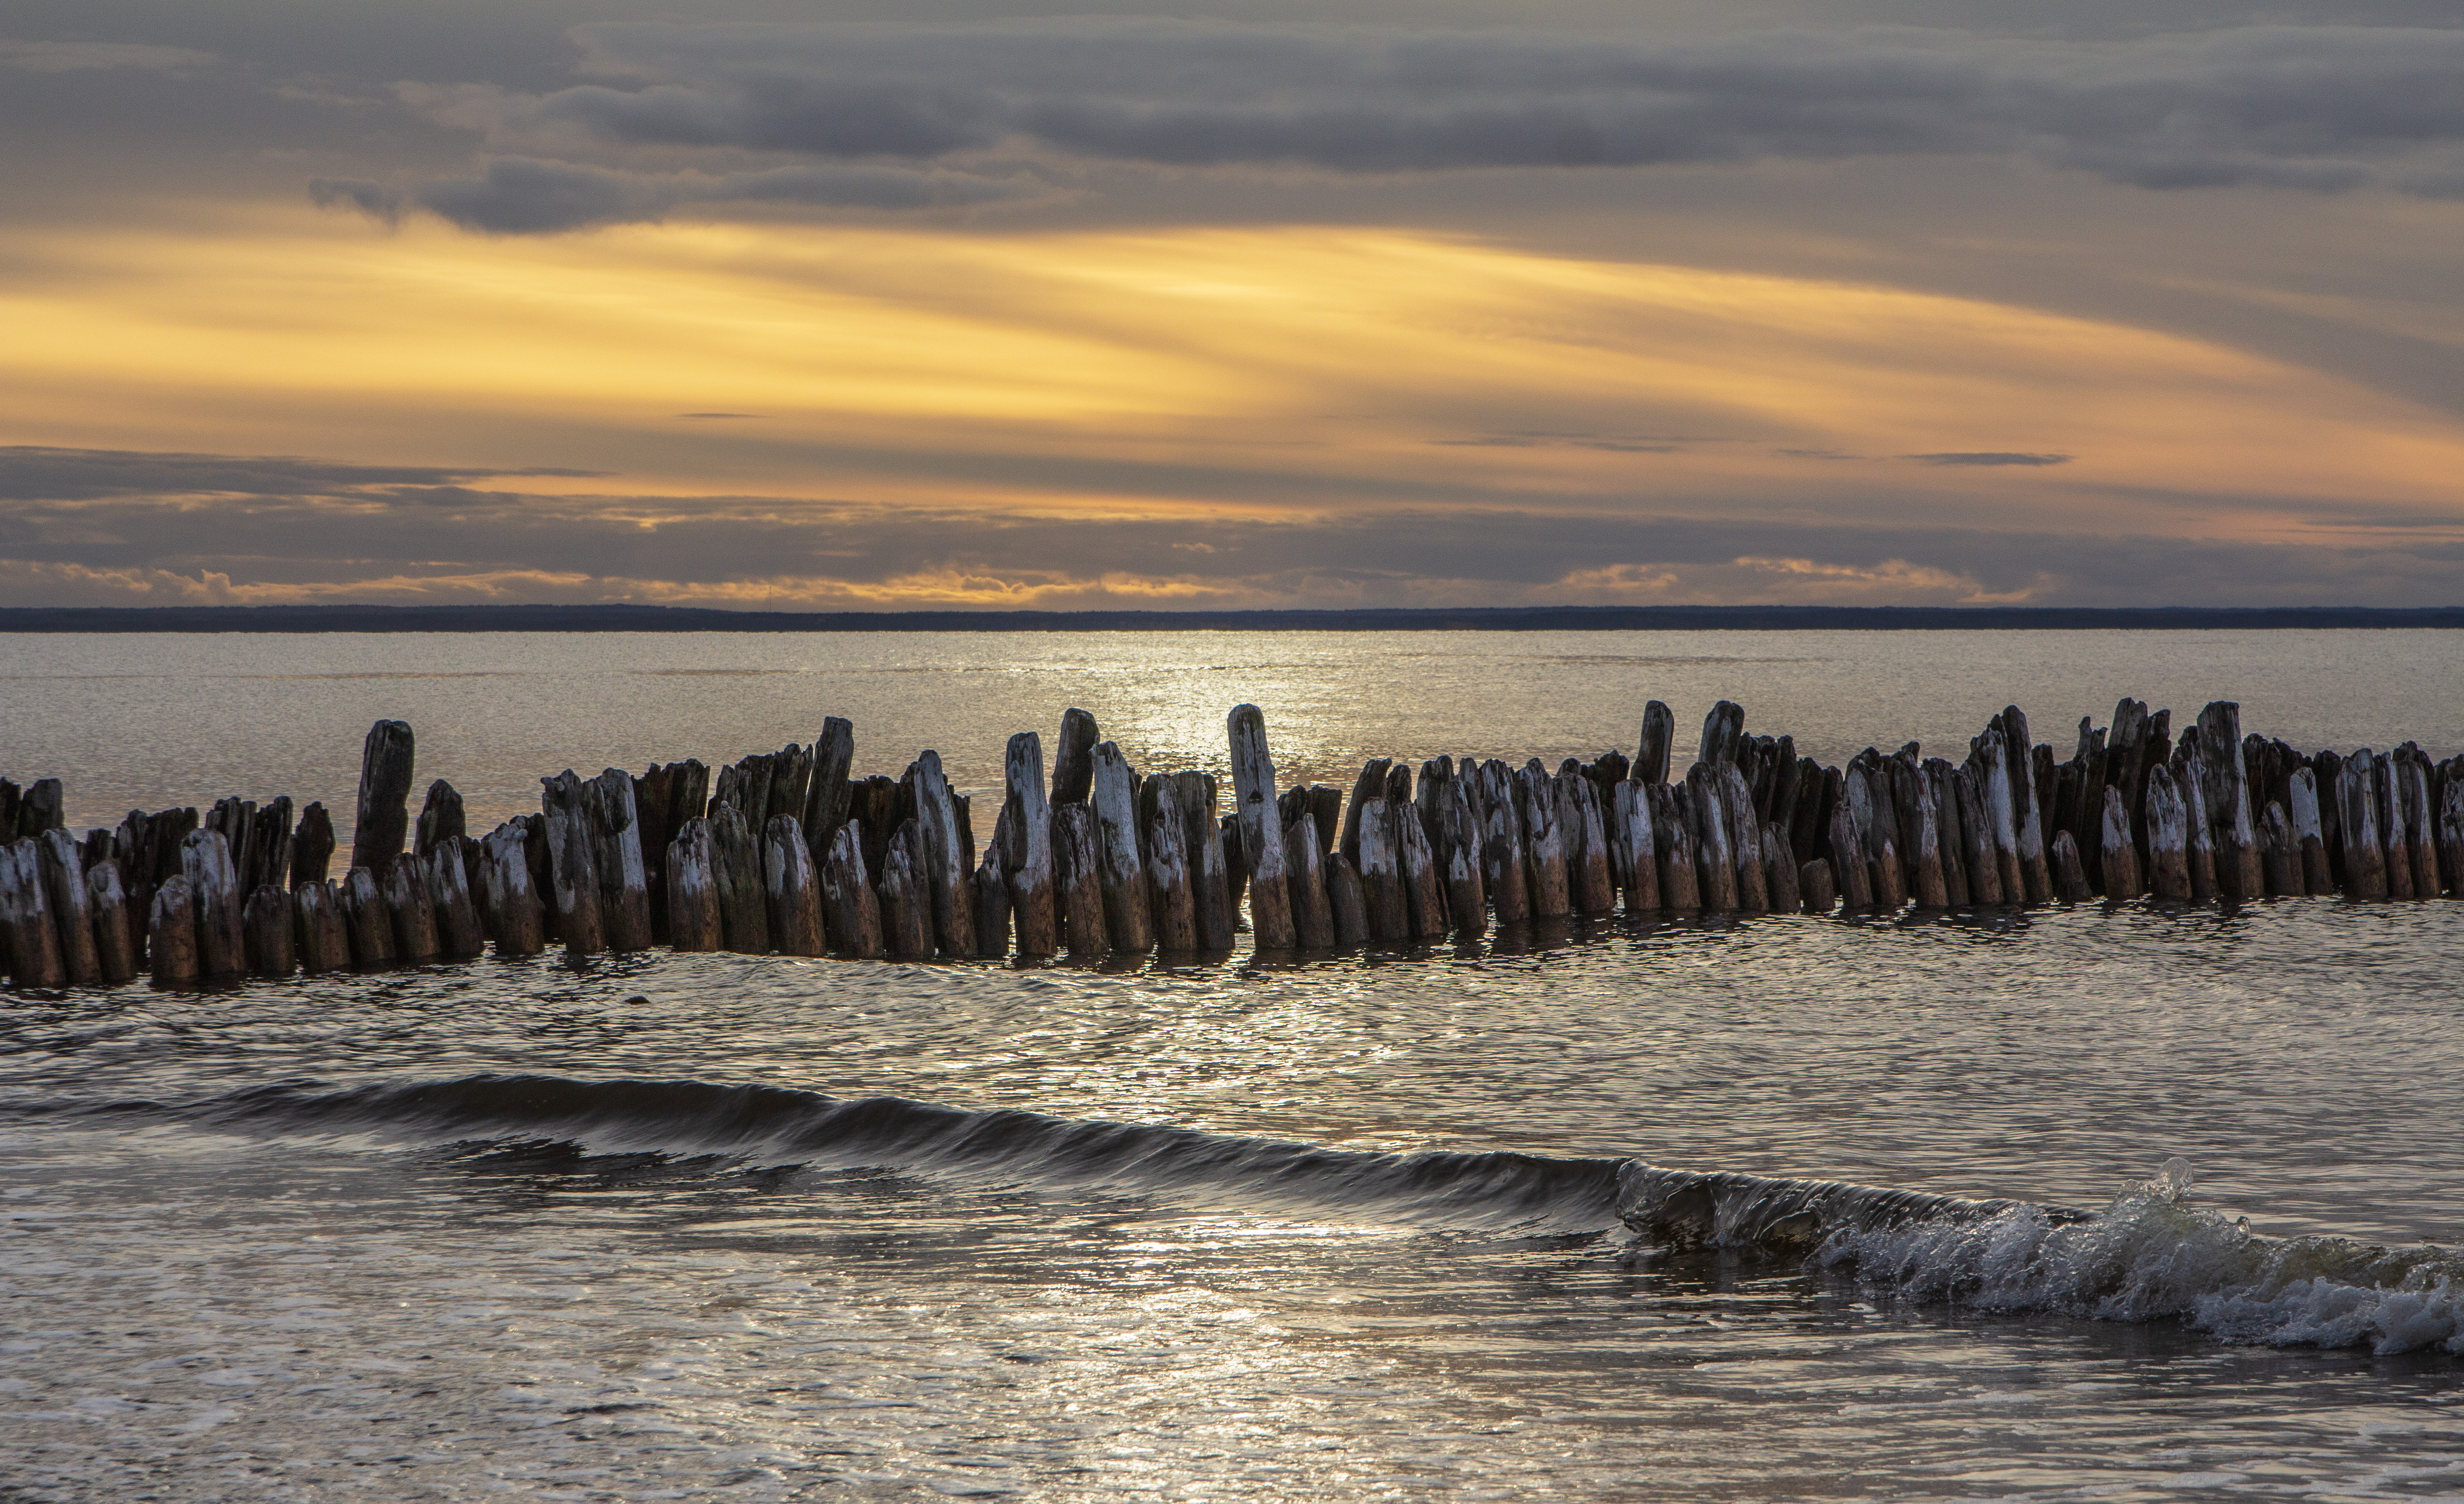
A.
x: 794, y: 853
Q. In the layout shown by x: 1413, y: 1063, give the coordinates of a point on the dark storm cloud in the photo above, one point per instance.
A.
x: 2317, y: 108
x: 371, y: 525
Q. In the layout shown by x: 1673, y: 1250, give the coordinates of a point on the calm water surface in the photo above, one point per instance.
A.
x: 766, y: 1228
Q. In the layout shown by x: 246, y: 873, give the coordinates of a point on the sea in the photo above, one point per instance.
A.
x: 1337, y: 1228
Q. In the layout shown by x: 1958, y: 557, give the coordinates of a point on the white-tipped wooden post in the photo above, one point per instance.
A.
x: 171, y: 937
x: 2240, y: 877
x: 693, y: 922
x: 63, y: 873
x: 789, y: 889
x: 213, y: 887
x: 1424, y: 891
x: 1587, y: 831
x: 1535, y: 799
x: 266, y: 918
x: 1077, y: 877
x: 1715, y: 864
x: 616, y: 861
x: 114, y: 935
x: 1631, y: 829
x: 448, y: 876
x: 1380, y: 838
x: 1744, y: 837
x: 2366, y: 871
x: 948, y: 865
x: 324, y: 942
x: 516, y: 915
x: 2169, y: 836
x: 579, y: 921
x: 1129, y: 916
x: 854, y: 913
x: 2315, y: 877
x: 2121, y: 855
x: 33, y: 938
x: 1253, y: 786
x: 1027, y: 830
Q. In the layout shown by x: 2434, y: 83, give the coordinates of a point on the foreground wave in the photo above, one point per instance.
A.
x: 2147, y: 1257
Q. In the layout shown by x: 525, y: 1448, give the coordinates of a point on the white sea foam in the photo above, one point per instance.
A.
x: 2147, y: 1256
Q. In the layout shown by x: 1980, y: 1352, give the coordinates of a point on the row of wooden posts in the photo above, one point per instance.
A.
x: 792, y: 852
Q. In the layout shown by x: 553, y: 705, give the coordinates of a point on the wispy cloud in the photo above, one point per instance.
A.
x: 1989, y: 459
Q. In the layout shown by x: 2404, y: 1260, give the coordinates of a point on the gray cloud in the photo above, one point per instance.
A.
x: 2321, y: 108
x: 372, y: 199
x: 31, y: 473
x: 517, y: 195
x: 1984, y: 457
x: 81, y: 57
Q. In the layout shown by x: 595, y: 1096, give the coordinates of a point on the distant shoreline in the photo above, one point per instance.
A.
x: 1540, y: 618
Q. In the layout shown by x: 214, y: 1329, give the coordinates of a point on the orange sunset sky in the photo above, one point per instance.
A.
x: 979, y: 304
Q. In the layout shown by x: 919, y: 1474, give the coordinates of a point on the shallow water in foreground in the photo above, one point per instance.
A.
x: 763, y: 1228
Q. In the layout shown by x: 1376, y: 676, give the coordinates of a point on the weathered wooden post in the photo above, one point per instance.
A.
x: 1026, y: 855
x: 1209, y: 882
x: 1305, y: 877
x: 1852, y: 868
x: 2069, y: 873
x: 1921, y: 823
x: 384, y: 794
x: 1587, y: 860
x: 514, y: 907
x: 1744, y: 837
x: 1502, y: 868
x: 171, y: 936
x: 34, y: 937
x: 693, y: 922
x: 1369, y: 784
x: 573, y: 863
x: 1380, y: 840
x: 414, y: 913
x: 1977, y: 852
x: 1651, y: 750
x: 2120, y: 855
x: 2365, y: 874
x: 325, y: 942
x: 906, y: 907
x: 440, y: 818
x: 1715, y: 864
x: 743, y: 907
x: 115, y: 936
x: 213, y: 887
x: 2240, y: 877
x: 1681, y: 888
x: 616, y: 861
x: 947, y: 864
x: 1253, y: 786
x: 312, y: 846
x: 1424, y: 893
x: 2450, y: 828
x: 266, y: 921
x: 793, y: 896
x: 1170, y: 900
x: 2169, y: 836
x: 854, y: 911
x: 1466, y: 895
x: 1536, y: 801
x: 2027, y: 823
x: 1127, y: 912
x: 62, y: 869
x: 829, y: 799
x: 1078, y: 881
x: 1073, y: 758
x: 1720, y: 729
x: 2309, y: 839
x: 2421, y: 836
x: 2279, y: 852
x: 1638, y: 850
x: 39, y: 809
x: 1814, y: 880
x: 447, y: 877
x: 992, y: 910
x: 370, y: 925
x: 1780, y: 873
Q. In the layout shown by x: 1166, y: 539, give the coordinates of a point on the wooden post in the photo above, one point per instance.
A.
x: 573, y: 863
x: 1389, y: 906
x: 1780, y: 873
x: 1920, y: 819
x: 265, y: 920
x: 1744, y: 837
x: 25, y: 906
x: 369, y: 922
x: 1814, y: 880
x: 1720, y: 729
x: 2387, y: 802
x: 324, y: 942
x: 62, y: 869
x: 1424, y: 892
x: 2420, y: 831
x: 384, y: 794
x: 2309, y: 839
x: 1638, y: 851
x: 1026, y: 855
x: 1076, y: 875
x: 1128, y: 915
x: 447, y: 877
x: 2201, y: 843
x: 788, y: 887
x: 440, y: 818
x: 115, y: 937
x: 1305, y: 877
x: 2169, y: 836
x: 1073, y: 758
x: 39, y: 807
x: 1977, y: 853
x: 2450, y: 830
x: 947, y: 864
x: 992, y: 911
x: 2068, y: 872
x: 1852, y: 870
x: 1650, y: 751
x: 2238, y: 875
x: 1502, y: 867
x: 1253, y: 786
x: 213, y: 887
x: 1466, y: 895
x: 1347, y: 900
x: 2365, y: 874
x: 2027, y: 821
x: 1367, y: 786
x: 414, y: 913
x: 906, y: 907
x: 1544, y: 833
x: 854, y: 911
x: 171, y: 936
x: 1588, y: 855
x: 1209, y: 886
x: 616, y: 860
x: 1680, y: 889
x: 1941, y: 790
x: 693, y: 922
x: 743, y: 906
x: 2279, y: 852
x: 516, y: 913
x: 1171, y: 904
x: 1706, y: 818
x: 2120, y: 855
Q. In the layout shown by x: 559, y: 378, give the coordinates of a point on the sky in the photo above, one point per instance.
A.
x: 982, y: 303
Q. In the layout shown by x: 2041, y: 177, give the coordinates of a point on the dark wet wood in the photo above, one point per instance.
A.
x: 447, y: 873
x: 1209, y: 880
x: 854, y: 911
x: 1650, y: 751
x: 743, y: 902
x: 1715, y: 864
x: 1253, y: 784
x: 266, y: 921
x: 440, y: 818
x: 1681, y: 888
x: 213, y: 888
x: 404, y: 880
x: 1129, y: 913
x: 906, y: 907
x: 171, y: 935
x: 1631, y: 834
x: 1078, y: 881
x: 384, y: 815
x: 946, y: 864
x: 323, y: 941
x: 1368, y: 786
x: 516, y: 913
x: 2120, y: 858
x: 115, y: 927
x: 62, y: 867
x: 2168, y: 835
x: 369, y: 919
x: 1425, y: 890
x: 992, y: 910
x: 1073, y: 765
x: 2069, y: 874
x: 1313, y: 925
x: 572, y: 859
x: 1813, y: 881
x: 790, y: 889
